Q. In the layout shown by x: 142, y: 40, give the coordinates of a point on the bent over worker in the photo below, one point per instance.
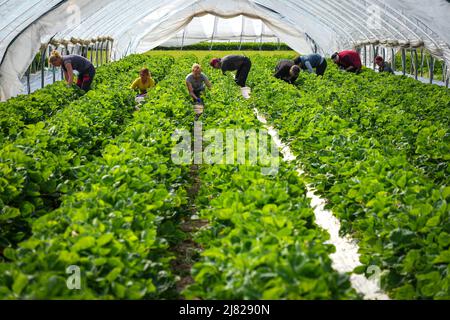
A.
x: 241, y: 64
x: 287, y: 70
x: 383, y: 66
x: 311, y: 62
x: 195, y: 82
x: 348, y: 60
x: 71, y: 63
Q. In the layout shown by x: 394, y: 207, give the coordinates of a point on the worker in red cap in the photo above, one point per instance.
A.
x: 241, y: 64
x: 383, y: 66
x: 348, y: 60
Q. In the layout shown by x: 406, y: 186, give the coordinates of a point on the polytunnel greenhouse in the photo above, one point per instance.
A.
x: 224, y: 150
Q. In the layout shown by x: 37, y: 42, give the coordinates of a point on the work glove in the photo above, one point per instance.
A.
x: 199, y: 100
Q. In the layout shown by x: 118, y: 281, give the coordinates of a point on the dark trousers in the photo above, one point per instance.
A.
x: 199, y: 93
x: 85, y: 79
x: 243, y: 71
x: 320, y: 70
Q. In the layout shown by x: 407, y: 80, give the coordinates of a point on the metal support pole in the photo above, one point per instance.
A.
x: 448, y: 78
x: 53, y: 67
x: 261, y: 39
x: 216, y: 22
x: 101, y: 53
x: 416, y: 64
x: 96, y: 54
x: 43, y: 56
x: 444, y: 72
x: 422, y: 56
x: 404, y: 61
x: 90, y: 49
x: 67, y: 52
x: 365, y: 55
x: 431, y: 69
x: 394, y: 60
x: 375, y: 52
x: 111, y: 49
x: 384, y: 53
x: 28, y: 79
x: 412, y: 62
x: 242, y: 32
x: 107, y: 51
x: 183, y: 38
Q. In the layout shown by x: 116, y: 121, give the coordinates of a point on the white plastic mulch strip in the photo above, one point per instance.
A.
x: 346, y: 257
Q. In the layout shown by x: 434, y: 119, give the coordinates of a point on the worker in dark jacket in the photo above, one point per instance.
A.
x: 287, y: 70
x: 348, y: 60
x: 241, y: 64
x: 311, y: 62
x: 383, y: 66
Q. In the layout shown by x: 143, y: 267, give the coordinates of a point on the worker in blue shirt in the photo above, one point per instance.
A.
x: 311, y: 62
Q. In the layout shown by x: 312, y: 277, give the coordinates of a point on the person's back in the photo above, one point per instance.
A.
x: 314, y: 60
x: 287, y: 70
x: 282, y: 69
x: 241, y: 64
x: 232, y: 62
x: 350, y: 58
x: 79, y: 63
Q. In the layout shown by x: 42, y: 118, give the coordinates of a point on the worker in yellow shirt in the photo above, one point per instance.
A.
x: 143, y: 83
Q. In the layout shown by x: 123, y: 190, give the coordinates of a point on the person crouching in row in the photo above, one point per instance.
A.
x: 289, y: 70
x: 144, y: 83
x: 71, y: 63
x: 195, y: 83
x: 383, y: 66
x: 348, y: 60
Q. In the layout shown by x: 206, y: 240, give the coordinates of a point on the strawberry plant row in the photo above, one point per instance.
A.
x: 18, y: 112
x: 371, y: 154
x: 118, y: 228
x: 37, y: 167
x: 262, y: 241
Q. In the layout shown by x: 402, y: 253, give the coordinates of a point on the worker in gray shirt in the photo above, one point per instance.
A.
x: 195, y: 83
x: 71, y: 63
x: 309, y: 62
x: 241, y: 64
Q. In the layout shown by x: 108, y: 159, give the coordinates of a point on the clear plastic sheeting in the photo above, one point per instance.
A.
x: 140, y: 25
x: 36, y: 80
x: 209, y: 27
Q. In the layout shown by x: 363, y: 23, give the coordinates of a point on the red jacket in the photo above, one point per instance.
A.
x: 350, y: 58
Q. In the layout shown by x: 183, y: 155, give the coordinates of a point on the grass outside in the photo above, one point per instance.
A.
x: 203, y: 54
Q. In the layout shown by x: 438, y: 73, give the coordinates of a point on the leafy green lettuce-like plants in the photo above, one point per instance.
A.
x: 376, y: 146
x: 40, y: 164
x: 115, y: 226
x: 262, y: 242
